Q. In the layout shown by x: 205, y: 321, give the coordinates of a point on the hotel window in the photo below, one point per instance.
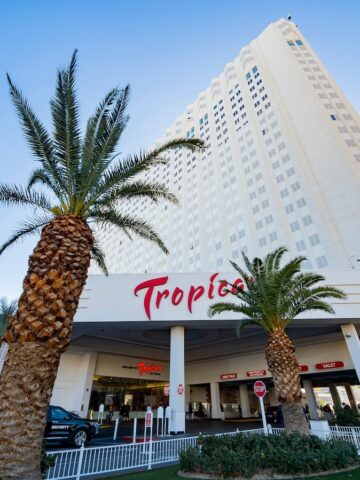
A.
x: 258, y: 224
x: 289, y: 209
x: 285, y: 158
x: 265, y: 204
x: 273, y: 236
x: 290, y: 172
x: 294, y: 226
x: 280, y: 178
x: 235, y: 254
x: 242, y: 234
x: 314, y: 239
x: 295, y: 186
x: 262, y: 241
x: 300, y: 245
x: 322, y: 261
x: 284, y: 193
x: 301, y: 202
x: 307, y: 220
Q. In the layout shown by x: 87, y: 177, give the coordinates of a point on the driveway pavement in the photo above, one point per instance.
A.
x: 194, y: 427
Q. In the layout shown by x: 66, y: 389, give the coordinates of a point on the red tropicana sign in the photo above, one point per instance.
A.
x: 260, y: 389
x: 155, y: 292
x: 143, y: 368
x: 329, y: 365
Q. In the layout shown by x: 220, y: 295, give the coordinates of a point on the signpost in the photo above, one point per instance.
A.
x: 260, y: 392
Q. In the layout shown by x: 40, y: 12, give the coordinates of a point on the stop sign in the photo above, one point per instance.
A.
x: 260, y: 389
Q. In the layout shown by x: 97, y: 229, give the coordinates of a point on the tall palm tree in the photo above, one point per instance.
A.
x: 274, y: 295
x: 7, y: 309
x: 86, y: 184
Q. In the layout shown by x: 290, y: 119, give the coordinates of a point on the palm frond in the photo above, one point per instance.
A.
x: 128, y: 223
x: 35, y: 133
x: 139, y: 189
x: 16, y: 195
x: 29, y: 227
x: 133, y: 165
x: 65, y: 115
x: 98, y: 255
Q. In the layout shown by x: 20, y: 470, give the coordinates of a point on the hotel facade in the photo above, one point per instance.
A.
x: 281, y: 167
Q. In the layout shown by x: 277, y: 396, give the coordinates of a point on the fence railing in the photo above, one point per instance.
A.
x: 74, y: 464
x: 350, y: 434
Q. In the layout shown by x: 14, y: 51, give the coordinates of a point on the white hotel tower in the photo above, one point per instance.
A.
x: 281, y: 167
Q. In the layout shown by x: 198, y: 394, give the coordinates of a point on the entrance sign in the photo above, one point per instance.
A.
x: 228, y: 376
x: 148, y: 424
x: 329, y: 365
x: 144, y: 369
x: 155, y: 294
x: 256, y: 373
x: 260, y: 392
x: 180, y: 389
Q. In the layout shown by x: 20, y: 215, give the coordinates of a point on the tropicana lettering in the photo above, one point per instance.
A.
x: 154, y: 295
x: 143, y: 368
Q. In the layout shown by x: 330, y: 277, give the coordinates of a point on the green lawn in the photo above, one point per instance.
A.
x: 169, y: 473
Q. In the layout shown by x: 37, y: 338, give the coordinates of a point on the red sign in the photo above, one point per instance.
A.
x: 256, y: 373
x: 148, y: 419
x: 260, y: 389
x: 180, y: 389
x: 329, y: 365
x: 303, y: 368
x: 228, y: 376
x: 154, y: 295
x: 143, y: 368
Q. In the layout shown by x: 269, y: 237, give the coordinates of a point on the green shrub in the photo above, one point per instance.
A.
x: 282, y: 454
x: 346, y: 417
x: 47, y: 461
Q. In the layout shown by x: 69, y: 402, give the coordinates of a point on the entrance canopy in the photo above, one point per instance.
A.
x: 180, y: 298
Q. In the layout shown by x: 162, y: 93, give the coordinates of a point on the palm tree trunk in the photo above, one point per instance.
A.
x: 284, y: 367
x: 38, y: 334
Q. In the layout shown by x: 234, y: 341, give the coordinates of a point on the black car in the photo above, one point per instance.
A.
x: 62, y: 425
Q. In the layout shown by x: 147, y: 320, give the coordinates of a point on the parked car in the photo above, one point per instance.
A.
x: 64, y: 426
x: 274, y: 416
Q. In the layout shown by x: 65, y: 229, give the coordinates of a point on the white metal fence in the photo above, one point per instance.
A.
x: 350, y: 434
x: 75, y: 464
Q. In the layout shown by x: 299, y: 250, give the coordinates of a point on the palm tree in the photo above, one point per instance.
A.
x: 86, y: 185
x: 274, y: 295
x: 7, y: 310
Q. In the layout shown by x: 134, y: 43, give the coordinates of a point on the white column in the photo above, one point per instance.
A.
x: 215, y: 400
x: 311, y: 399
x: 353, y: 345
x: 244, y: 401
x: 177, y: 380
x: 84, y: 383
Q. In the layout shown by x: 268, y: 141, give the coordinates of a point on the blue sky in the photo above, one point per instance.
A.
x: 168, y: 50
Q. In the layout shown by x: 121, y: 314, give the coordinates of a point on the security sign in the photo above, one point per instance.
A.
x: 180, y: 389
x: 260, y: 389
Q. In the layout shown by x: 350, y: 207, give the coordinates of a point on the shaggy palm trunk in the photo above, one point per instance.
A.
x: 282, y: 362
x: 38, y: 334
